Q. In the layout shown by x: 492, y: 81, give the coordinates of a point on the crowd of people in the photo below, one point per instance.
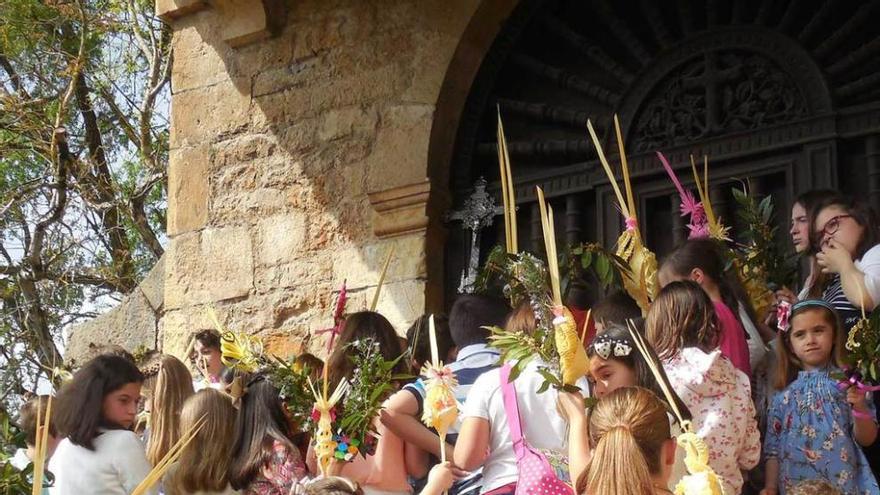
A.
x: 764, y: 395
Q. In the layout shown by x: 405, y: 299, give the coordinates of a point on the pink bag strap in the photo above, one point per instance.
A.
x: 511, y: 408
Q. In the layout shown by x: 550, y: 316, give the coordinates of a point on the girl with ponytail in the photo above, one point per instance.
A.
x: 633, y: 450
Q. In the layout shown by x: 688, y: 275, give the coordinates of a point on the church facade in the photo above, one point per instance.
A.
x: 311, y: 138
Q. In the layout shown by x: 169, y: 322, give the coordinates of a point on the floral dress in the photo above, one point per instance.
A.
x: 810, y: 432
x: 284, y: 470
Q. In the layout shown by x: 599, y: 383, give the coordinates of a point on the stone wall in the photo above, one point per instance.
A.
x: 133, y: 324
x: 301, y: 136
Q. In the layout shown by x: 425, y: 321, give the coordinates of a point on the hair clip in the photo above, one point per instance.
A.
x: 605, y: 347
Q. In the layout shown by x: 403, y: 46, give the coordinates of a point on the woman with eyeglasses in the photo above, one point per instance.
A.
x: 846, y: 235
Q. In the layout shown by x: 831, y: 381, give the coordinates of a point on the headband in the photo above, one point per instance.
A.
x: 606, y: 346
x: 784, y: 311
x: 812, y: 303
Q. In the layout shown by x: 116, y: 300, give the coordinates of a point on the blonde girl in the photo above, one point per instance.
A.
x: 173, y: 387
x: 204, y: 462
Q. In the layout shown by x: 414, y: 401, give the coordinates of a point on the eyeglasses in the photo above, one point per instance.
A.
x: 832, y: 226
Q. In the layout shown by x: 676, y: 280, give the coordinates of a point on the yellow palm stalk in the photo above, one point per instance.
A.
x: 41, y: 445
x: 701, y: 479
x: 641, y: 283
x: 375, y: 302
x: 168, y: 459
x: 441, y: 408
x: 717, y: 230
x: 573, y: 360
x: 507, y: 195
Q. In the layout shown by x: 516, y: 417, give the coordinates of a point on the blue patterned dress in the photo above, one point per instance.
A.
x: 810, y: 432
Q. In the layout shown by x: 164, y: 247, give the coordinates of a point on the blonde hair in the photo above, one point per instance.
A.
x: 204, y: 462
x: 173, y: 387
x: 333, y: 485
x: 627, y: 430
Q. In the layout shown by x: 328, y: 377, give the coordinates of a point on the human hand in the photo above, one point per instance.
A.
x: 570, y: 406
x: 856, y: 399
x: 786, y: 294
x: 833, y: 258
x: 441, y: 477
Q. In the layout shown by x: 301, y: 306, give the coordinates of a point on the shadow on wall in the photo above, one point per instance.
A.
x: 278, y: 146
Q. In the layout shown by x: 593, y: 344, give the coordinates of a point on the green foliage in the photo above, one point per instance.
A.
x: 293, y: 388
x: 372, y: 381
x: 12, y: 481
x: 761, y: 254
x: 83, y: 153
x: 863, y: 348
x: 592, y: 264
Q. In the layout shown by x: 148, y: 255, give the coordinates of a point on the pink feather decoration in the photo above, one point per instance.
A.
x: 338, y: 319
x: 699, y: 224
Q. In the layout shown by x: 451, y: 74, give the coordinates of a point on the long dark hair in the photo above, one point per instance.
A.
x: 810, y: 200
x: 681, y: 316
x: 705, y: 255
x: 636, y: 362
x: 260, y: 423
x: 364, y: 325
x: 862, y: 213
x: 80, y: 402
x: 787, y: 363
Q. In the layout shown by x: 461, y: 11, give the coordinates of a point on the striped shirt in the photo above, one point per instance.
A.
x: 833, y: 294
x: 471, y: 362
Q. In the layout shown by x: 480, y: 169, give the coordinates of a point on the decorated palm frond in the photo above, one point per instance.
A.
x: 862, y: 359
x: 760, y: 262
x: 441, y: 407
x: 701, y: 479
x: 238, y: 350
x: 698, y: 225
x: 641, y: 283
x: 717, y: 230
x: 507, y: 196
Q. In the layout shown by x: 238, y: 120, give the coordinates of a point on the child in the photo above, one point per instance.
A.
x: 95, y: 411
x: 682, y: 328
x: 419, y: 341
x: 699, y: 260
x: 172, y: 387
x: 27, y: 421
x: 814, y: 426
x: 203, y: 464
x: 206, y: 358
x: 485, y: 423
x: 468, y: 319
x: 615, y: 362
x: 385, y: 471
x: 265, y: 460
x: 615, y: 309
x: 633, y: 449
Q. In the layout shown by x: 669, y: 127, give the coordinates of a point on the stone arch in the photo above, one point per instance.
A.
x: 468, y: 59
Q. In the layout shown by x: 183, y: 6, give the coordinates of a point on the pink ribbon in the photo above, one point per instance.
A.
x: 631, y: 224
x: 338, y: 319
x: 853, y: 381
x: 783, y: 311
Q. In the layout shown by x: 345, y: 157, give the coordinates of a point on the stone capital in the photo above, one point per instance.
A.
x: 243, y: 21
x: 400, y: 210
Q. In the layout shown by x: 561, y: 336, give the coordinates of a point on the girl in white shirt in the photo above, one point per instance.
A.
x: 100, y: 454
x: 485, y: 425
